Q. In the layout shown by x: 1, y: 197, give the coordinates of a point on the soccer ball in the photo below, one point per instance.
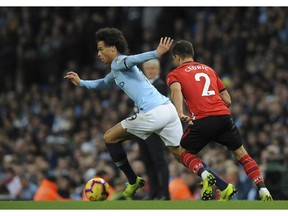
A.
x: 97, y: 189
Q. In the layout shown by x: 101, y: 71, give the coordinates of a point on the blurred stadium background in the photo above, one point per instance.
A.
x: 50, y: 128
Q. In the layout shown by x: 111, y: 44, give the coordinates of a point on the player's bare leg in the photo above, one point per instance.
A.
x: 117, y: 134
x: 113, y: 139
x: 177, y: 151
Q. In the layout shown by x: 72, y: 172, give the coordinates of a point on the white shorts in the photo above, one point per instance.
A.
x: 162, y: 120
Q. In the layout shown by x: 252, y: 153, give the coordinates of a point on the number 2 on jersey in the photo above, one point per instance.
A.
x: 206, y: 91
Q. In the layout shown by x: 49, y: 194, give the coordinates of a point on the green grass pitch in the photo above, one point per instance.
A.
x: 164, y: 205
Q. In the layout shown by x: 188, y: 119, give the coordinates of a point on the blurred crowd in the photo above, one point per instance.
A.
x: 50, y: 129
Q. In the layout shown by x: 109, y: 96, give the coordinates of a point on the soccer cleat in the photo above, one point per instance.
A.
x: 131, y: 189
x: 266, y: 197
x: 207, y: 189
x: 228, y: 193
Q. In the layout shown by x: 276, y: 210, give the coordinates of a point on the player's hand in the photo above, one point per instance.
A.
x: 164, y: 45
x: 73, y: 77
x: 186, y: 119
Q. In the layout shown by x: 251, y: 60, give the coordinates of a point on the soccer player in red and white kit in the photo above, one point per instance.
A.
x: 209, y: 116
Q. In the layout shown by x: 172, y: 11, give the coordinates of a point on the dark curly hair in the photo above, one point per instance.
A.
x: 113, y: 37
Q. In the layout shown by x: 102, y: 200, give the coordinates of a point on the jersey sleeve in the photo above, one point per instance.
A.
x: 109, y: 79
x: 123, y: 62
x: 93, y: 84
x: 99, y: 83
x: 220, y: 84
x: 171, y: 78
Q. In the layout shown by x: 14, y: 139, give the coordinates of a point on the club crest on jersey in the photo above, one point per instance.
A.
x: 119, y: 60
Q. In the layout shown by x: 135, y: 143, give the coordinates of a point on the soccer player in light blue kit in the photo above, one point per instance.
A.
x: 156, y: 112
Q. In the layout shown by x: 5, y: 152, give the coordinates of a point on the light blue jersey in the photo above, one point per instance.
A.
x: 132, y: 81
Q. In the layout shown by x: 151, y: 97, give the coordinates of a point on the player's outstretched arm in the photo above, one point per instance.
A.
x: 129, y: 61
x: 164, y: 45
x: 73, y: 77
x: 89, y: 84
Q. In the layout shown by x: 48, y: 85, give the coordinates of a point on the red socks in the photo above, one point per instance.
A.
x: 251, y: 168
x: 192, y: 162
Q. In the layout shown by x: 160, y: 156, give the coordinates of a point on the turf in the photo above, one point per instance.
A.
x: 110, y: 205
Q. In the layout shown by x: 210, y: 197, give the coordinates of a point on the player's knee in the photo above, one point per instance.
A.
x: 107, y: 137
x: 240, y: 152
x: 110, y: 137
x: 176, y: 151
